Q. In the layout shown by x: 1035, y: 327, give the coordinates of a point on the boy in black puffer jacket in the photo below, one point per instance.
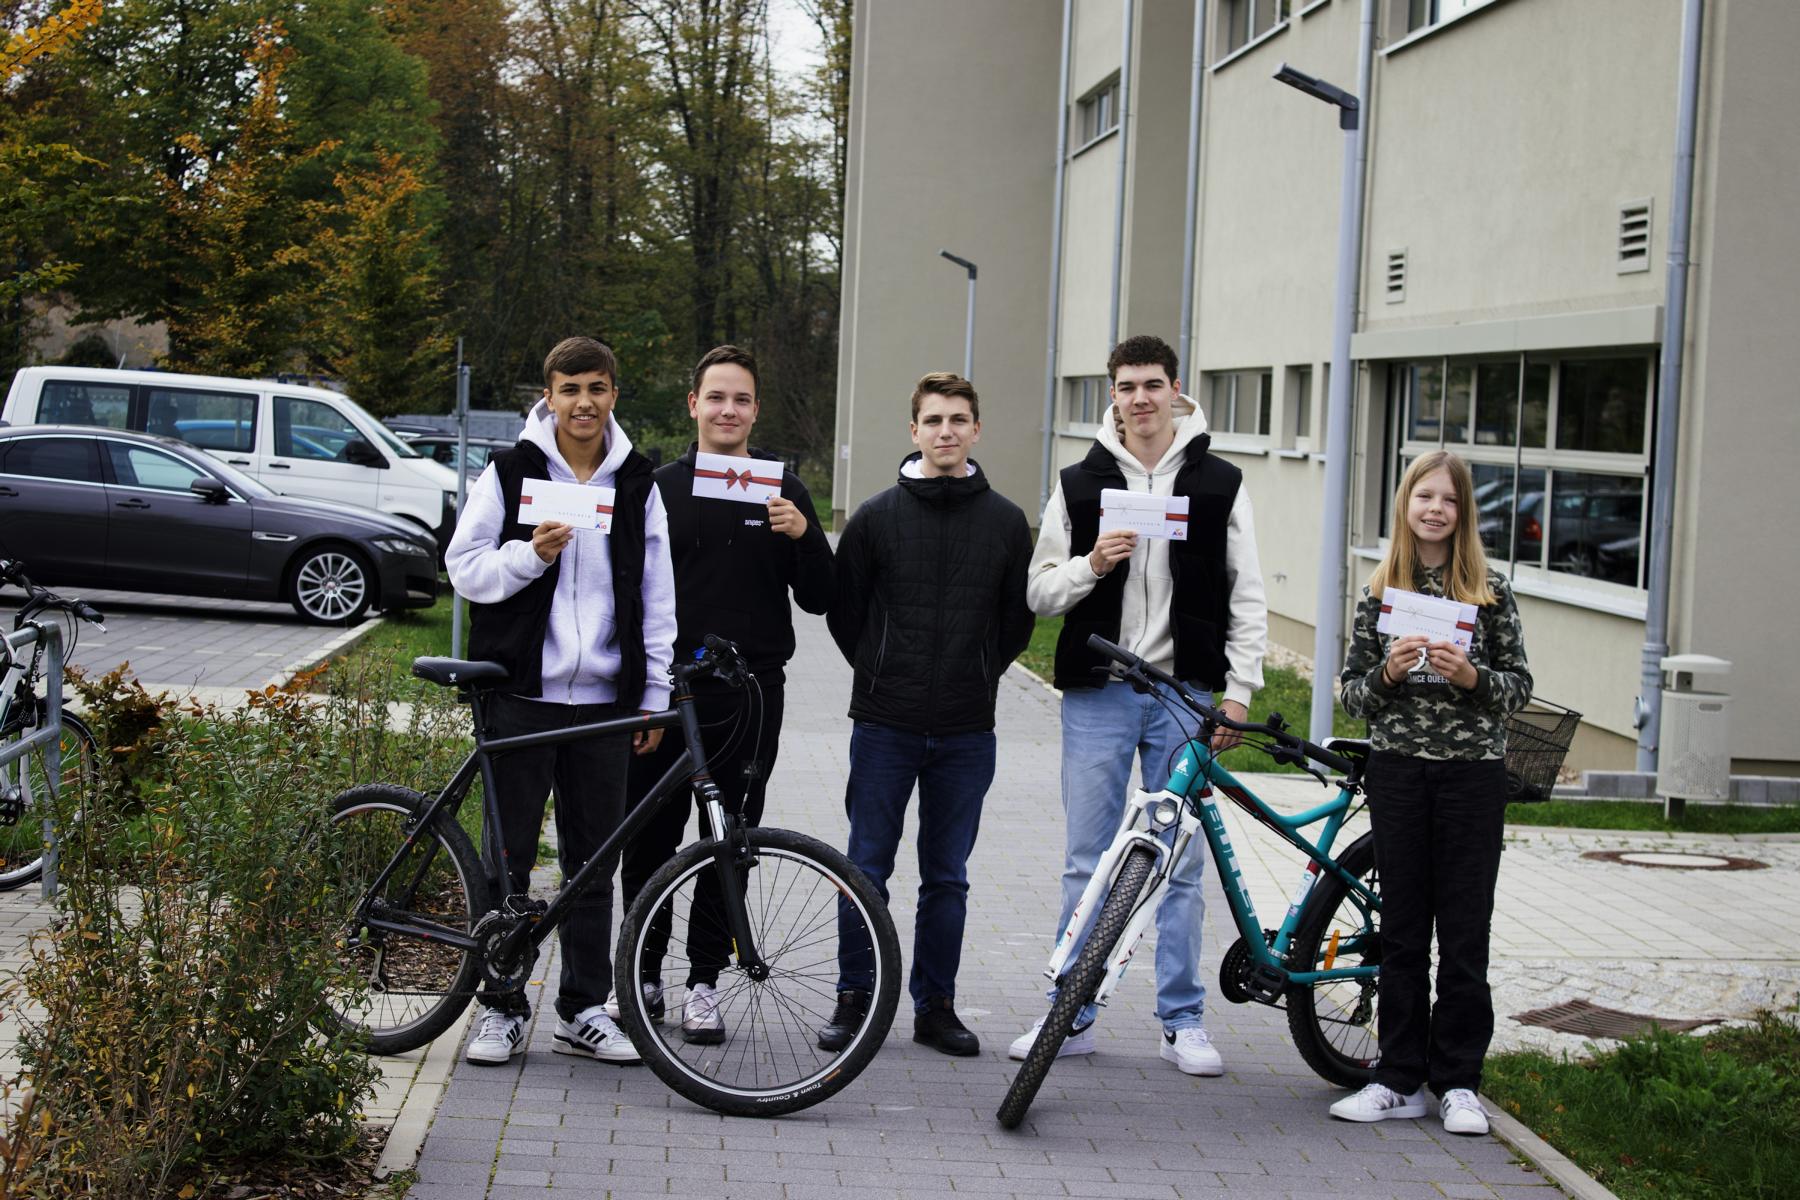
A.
x: 930, y: 610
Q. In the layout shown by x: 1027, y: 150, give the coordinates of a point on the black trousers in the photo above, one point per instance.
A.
x: 588, y: 777
x: 1437, y: 845
x: 740, y: 766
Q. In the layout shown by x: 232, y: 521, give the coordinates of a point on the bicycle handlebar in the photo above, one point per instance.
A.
x: 716, y: 656
x: 38, y: 598
x: 1291, y: 743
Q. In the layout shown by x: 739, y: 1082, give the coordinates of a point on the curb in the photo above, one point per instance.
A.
x: 406, y: 1137
x: 313, y: 658
x: 1545, y: 1157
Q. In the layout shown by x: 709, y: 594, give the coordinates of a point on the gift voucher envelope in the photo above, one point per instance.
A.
x: 581, y: 505
x: 723, y: 477
x: 1144, y: 514
x: 1441, y: 620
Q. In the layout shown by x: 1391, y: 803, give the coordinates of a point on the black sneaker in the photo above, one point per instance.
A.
x: 939, y: 1028
x: 852, y: 1009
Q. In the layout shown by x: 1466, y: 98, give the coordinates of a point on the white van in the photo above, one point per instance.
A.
x: 299, y: 441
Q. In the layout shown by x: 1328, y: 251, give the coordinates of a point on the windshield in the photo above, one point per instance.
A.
x: 395, y: 444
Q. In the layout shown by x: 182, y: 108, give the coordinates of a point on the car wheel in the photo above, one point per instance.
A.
x: 331, y: 586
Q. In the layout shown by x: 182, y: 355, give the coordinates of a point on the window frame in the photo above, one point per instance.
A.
x: 1106, y: 93
x: 1263, y: 401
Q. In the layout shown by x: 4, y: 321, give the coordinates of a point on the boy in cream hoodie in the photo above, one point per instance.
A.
x: 584, y: 623
x: 1193, y: 608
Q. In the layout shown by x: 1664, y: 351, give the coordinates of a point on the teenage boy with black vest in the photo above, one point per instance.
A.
x: 584, y: 622
x: 735, y: 564
x: 930, y: 610
x: 1193, y: 608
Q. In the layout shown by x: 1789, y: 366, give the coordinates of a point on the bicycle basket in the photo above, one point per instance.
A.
x: 1537, y: 741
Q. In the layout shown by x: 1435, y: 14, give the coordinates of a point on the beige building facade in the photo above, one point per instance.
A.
x: 1520, y: 157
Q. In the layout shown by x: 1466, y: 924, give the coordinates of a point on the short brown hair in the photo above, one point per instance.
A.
x: 1144, y: 350
x: 732, y: 356
x: 948, y: 384
x: 578, y: 356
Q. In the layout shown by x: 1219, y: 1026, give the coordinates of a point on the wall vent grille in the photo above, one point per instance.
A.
x: 1395, y: 283
x: 1634, y: 236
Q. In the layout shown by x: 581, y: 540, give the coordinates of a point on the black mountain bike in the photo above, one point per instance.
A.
x: 430, y: 920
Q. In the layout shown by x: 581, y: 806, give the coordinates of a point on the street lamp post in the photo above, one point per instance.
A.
x: 969, y: 331
x: 1334, y: 536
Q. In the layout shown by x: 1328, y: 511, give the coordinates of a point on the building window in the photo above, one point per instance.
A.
x: 1422, y: 14
x: 1239, y: 402
x: 1559, y: 451
x: 1098, y: 112
x: 1298, y: 422
x: 1085, y: 399
x: 1243, y: 21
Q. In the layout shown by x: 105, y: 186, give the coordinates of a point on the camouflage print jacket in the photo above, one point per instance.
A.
x: 1428, y: 716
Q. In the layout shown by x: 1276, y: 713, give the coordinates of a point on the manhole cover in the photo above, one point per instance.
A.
x: 1591, y: 1020
x: 1674, y: 860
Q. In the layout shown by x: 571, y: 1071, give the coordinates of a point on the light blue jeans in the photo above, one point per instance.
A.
x: 1103, y: 729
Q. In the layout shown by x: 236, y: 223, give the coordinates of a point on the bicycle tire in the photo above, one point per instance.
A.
x: 22, y: 842
x: 414, y: 987
x: 1334, y: 1023
x: 797, y: 892
x: 1078, y: 986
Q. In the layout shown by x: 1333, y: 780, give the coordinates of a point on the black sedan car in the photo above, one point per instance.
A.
x: 106, y: 508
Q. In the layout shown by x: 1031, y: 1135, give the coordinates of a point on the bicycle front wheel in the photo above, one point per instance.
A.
x: 1076, y: 990
x: 22, y: 823
x: 406, y: 986
x: 753, y: 1050
x: 1334, y: 1022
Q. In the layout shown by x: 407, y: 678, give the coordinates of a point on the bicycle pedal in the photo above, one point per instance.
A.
x: 524, y: 906
x: 1265, y: 984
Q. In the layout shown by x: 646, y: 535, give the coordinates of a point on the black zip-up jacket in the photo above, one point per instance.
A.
x: 733, y: 573
x: 931, y: 602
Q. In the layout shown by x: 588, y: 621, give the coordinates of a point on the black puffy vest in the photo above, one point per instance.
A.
x: 1202, y: 597
x: 512, y: 631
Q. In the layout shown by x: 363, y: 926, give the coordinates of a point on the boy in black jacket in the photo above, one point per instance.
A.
x: 930, y: 610
x: 734, y: 566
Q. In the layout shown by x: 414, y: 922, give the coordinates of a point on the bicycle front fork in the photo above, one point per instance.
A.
x: 1150, y: 818
x: 731, y: 863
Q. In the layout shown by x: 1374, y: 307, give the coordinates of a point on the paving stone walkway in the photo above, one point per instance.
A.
x: 1122, y: 1122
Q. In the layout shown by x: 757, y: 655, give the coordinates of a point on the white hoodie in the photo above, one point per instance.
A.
x: 581, y: 647
x: 1060, y: 581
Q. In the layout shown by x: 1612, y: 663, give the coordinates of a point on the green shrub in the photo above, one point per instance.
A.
x: 184, y: 979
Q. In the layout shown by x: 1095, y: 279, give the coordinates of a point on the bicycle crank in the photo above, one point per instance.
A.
x: 503, y: 971
x: 1237, y: 969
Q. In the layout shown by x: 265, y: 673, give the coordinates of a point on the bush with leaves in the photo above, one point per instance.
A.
x: 182, y: 986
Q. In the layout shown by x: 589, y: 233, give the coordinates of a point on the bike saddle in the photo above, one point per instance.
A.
x: 458, y: 672
x: 1354, y: 749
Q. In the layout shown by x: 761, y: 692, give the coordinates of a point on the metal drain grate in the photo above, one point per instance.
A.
x: 1591, y: 1020
x: 1671, y: 860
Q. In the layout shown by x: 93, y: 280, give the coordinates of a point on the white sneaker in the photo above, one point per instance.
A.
x: 1462, y: 1112
x: 1079, y: 1042
x: 592, y: 1034
x: 700, y: 1019
x: 1379, y: 1103
x: 653, y: 1002
x: 498, y: 1036
x: 1192, y: 1051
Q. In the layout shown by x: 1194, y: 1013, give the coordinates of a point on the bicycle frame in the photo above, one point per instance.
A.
x: 46, y: 640
x: 688, y: 768
x: 1166, y: 822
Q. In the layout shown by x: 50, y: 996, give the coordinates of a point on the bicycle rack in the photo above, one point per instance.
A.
x: 50, y: 736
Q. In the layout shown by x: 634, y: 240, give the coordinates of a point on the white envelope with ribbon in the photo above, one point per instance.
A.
x: 1434, y: 617
x: 724, y: 477
x: 584, y: 506
x: 1144, y: 514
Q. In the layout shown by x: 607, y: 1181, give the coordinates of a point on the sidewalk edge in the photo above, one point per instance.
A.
x: 1545, y: 1157
x: 313, y: 658
x: 406, y: 1137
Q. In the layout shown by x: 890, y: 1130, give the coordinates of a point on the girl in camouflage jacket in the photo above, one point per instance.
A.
x: 1436, y: 782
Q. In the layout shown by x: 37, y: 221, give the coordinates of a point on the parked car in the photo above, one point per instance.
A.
x: 441, y: 447
x: 115, y: 509
x: 299, y: 441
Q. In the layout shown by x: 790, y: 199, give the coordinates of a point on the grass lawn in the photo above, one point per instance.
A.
x: 1648, y: 815
x: 1670, y: 1116
x: 413, y: 632
x: 1283, y: 691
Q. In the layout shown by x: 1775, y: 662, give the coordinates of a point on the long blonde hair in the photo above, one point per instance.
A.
x: 1466, y: 572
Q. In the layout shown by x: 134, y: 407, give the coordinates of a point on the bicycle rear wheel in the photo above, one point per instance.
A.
x: 408, y: 987
x: 22, y: 828
x: 761, y: 1056
x: 1334, y: 1023
x: 1078, y: 987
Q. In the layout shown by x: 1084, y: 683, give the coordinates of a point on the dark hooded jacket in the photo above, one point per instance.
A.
x: 931, y: 601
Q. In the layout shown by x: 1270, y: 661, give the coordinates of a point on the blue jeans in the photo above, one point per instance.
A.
x: 953, y: 773
x: 1102, y: 730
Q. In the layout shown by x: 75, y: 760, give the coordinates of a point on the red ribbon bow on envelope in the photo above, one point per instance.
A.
x: 741, y: 479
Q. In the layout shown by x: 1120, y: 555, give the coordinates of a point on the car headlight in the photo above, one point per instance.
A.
x: 400, y: 545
